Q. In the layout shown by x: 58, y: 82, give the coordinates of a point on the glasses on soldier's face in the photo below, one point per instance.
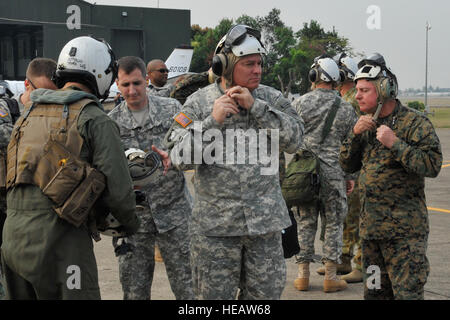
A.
x: 32, y: 84
x: 162, y: 70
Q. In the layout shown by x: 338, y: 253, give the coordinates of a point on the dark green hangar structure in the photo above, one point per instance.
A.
x: 40, y: 28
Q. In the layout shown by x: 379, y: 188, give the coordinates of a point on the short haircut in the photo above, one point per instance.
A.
x: 152, y: 63
x: 129, y: 63
x: 41, y: 67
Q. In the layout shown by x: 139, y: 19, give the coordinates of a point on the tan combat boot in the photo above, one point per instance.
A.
x: 302, y: 281
x: 332, y: 283
x: 342, y: 268
x: 353, y: 277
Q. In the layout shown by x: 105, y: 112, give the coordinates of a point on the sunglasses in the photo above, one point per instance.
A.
x: 162, y: 70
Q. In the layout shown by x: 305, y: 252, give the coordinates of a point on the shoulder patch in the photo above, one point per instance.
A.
x: 183, y: 119
x: 3, y: 113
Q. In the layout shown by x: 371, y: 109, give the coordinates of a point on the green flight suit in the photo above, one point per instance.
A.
x: 44, y: 256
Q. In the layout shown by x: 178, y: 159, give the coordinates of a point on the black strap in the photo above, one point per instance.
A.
x: 330, y: 119
x: 13, y: 107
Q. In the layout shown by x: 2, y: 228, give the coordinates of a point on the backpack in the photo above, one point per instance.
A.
x: 13, y: 107
x: 302, y: 181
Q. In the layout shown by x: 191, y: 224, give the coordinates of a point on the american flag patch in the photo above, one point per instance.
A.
x: 183, y: 120
x: 3, y: 113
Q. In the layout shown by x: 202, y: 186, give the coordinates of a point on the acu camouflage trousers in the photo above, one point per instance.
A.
x: 137, y: 263
x: 332, y: 208
x: 253, y: 264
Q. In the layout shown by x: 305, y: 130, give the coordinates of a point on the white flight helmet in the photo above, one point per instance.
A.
x: 241, y: 40
x: 88, y: 61
x: 324, y: 69
x: 373, y: 68
x: 347, y: 66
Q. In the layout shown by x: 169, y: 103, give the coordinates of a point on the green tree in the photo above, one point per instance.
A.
x: 204, y: 44
x: 289, y: 54
x: 417, y: 105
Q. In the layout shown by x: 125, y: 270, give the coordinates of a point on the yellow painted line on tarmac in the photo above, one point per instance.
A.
x: 437, y: 209
x: 446, y: 165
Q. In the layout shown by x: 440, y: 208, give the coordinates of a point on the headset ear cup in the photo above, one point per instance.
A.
x: 312, y: 75
x: 342, y: 76
x: 219, y: 64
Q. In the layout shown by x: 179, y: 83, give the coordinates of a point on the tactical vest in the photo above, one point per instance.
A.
x: 45, y: 151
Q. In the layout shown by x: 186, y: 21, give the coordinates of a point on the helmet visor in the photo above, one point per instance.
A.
x: 237, y: 34
x: 375, y: 59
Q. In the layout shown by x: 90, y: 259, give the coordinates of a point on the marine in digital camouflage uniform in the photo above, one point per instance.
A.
x: 238, y: 212
x: 394, y: 155
x: 168, y: 203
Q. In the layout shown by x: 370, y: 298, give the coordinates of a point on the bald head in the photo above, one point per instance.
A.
x: 157, y: 72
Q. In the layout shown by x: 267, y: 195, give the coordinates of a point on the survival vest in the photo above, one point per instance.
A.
x: 45, y: 151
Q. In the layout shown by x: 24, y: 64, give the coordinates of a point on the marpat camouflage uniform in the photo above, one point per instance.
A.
x: 188, y: 85
x: 164, y: 218
x: 351, y: 240
x: 238, y: 212
x: 6, y: 126
x: 394, y: 222
x: 313, y: 107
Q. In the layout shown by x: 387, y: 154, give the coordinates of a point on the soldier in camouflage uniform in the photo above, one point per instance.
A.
x: 313, y: 107
x: 190, y: 83
x: 348, y: 68
x: 239, y: 210
x: 38, y: 75
x: 157, y: 74
x: 351, y: 240
x: 143, y: 121
x: 394, y: 154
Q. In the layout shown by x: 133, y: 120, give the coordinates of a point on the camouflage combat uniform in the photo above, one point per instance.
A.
x: 188, y: 85
x: 313, y: 107
x: 394, y: 222
x: 39, y: 249
x: 166, y: 210
x: 351, y: 240
x: 6, y: 126
x: 238, y: 212
x: 160, y: 91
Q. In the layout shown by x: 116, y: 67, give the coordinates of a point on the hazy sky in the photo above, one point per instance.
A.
x: 395, y: 28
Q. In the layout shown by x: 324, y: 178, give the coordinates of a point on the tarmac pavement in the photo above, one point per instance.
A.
x: 437, y: 288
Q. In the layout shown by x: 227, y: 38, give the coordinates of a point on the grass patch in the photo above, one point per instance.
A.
x: 440, y: 117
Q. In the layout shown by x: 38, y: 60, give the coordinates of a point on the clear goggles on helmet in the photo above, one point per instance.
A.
x: 373, y: 59
x: 237, y: 35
